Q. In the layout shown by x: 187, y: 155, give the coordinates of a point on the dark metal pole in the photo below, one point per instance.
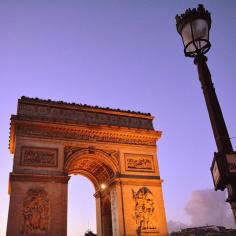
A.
x: 219, y: 128
x: 217, y: 120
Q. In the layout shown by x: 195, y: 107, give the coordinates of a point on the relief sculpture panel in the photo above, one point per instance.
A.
x: 39, y: 157
x: 35, y: 212
x: 137, y: 162
x: 81, y: 116
x: 61, y: 133
x: 144, y: 210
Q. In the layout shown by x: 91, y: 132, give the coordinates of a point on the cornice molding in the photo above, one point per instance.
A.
x: 28, y: 128
x: 38, y: 178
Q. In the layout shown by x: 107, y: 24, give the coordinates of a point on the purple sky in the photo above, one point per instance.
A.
x: 121, y: 54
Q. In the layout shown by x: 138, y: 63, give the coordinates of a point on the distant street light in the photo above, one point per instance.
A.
x: 103, y: 186
x: 194, y: 26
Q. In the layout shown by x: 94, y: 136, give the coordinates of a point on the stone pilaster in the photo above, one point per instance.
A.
x: 38, y: 205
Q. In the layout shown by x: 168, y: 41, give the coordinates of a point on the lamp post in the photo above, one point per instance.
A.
x: 194, y: 26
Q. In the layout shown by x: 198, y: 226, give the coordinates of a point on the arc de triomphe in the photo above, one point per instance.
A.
x: 116, y: 150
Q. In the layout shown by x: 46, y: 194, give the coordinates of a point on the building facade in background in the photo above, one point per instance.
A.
x: 205, y: 231
x: 89, y: 233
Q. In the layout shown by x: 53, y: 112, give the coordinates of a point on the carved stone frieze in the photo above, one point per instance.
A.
x: 82, y: 135
x: 139, y: 162
x: 144, y: 210
x: 70, y: 150
x: 35, y: 212
x: 77, y: 116
x: 39, y: 157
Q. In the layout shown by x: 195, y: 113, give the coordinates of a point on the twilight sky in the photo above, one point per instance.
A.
x: 122, y: 54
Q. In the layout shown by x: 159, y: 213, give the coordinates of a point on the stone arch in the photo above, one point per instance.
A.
x: 96, y: 165
x: 51, y: 140
x: 100, y: 168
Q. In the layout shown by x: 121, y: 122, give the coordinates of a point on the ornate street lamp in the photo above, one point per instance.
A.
x: 194, y: 26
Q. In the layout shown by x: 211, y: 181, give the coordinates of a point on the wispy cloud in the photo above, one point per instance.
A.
x: 206, y: 207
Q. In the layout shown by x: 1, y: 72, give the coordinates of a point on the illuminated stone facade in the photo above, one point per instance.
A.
x: 116, y: 150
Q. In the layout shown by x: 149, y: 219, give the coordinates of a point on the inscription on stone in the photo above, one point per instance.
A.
x: 42, y: 157
x: 138, y: 162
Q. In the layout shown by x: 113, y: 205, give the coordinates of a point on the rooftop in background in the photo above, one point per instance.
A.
x: 205, y: 231
x: 89, y: 233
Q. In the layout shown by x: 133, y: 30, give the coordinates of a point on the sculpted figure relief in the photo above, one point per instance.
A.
x: 35, y: 211
x: 144, y: 209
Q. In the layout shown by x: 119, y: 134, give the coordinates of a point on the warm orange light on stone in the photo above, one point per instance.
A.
x: 114, y: 149
x: 103, y: 186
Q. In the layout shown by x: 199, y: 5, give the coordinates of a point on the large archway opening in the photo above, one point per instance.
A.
x: 100, y: 171
x: 81, y: 214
